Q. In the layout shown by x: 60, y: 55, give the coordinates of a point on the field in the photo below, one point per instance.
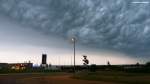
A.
x: 116, y: 77
x: 102, y: 77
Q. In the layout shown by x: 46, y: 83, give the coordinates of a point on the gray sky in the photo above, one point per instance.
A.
x: 106, y: 30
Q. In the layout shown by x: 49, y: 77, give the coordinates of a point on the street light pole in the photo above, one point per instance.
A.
x: 74, y: 48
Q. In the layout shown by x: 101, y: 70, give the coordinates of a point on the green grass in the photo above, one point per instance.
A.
x: 114, y: 76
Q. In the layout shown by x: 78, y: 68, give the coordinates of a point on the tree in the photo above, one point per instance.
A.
x: 148, y: 64
x: 108, y: 63
x: 85, y: 60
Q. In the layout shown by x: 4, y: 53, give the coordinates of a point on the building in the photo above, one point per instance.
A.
x: 44, y: 60
x: 20, y: 66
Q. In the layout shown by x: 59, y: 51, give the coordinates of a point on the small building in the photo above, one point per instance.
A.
x: 20, y: 66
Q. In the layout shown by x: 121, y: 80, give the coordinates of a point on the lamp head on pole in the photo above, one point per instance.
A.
x: 73, y: 39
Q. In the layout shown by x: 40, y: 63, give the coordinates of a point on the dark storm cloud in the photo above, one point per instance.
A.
x: 111, y: 24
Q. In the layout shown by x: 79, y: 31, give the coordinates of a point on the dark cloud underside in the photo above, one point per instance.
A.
x: 110, y: 24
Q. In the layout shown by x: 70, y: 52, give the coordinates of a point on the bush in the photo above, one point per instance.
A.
x: 148, y: 64
x: 93, y: 68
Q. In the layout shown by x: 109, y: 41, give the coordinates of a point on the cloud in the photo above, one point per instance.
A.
x: 104, y: 24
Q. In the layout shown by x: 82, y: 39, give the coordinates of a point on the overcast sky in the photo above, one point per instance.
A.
x: 107, y: 30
